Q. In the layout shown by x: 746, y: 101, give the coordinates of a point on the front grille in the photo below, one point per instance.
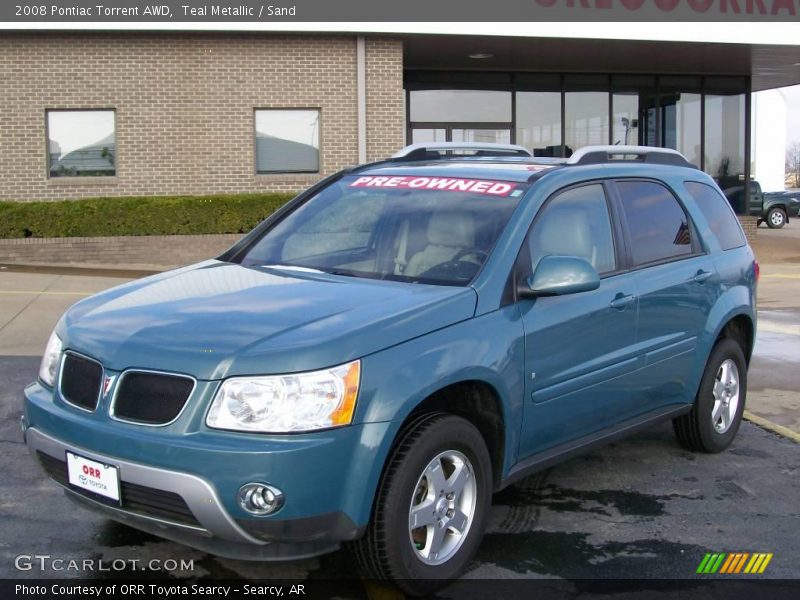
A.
x: 151, y: 398
x: 134, y: 498
x: 81, y: 379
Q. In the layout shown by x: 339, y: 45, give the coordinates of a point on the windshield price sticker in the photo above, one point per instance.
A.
x: 447, y: 184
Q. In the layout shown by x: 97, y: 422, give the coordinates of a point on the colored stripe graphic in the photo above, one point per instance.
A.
x: 715, y: 567
x: 758, y: 563
x: 732, y: 559
x: 741, y: 562
x: 711, y: 563
x: 703, y: 563
x: 734, y: 563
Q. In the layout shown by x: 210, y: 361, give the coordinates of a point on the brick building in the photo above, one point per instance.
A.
x: 182, y: 109
x: 92, y: 113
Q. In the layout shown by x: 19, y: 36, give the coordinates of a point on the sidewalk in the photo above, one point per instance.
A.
x: 773, y: 397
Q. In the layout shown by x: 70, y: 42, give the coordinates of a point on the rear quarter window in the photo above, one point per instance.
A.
x: 718, y: 213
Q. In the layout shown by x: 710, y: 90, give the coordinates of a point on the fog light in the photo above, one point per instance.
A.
x: 260, y: 498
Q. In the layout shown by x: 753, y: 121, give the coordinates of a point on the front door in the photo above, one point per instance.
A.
x: 580, y: 348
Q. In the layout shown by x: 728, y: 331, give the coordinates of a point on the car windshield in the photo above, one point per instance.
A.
x: 436, y: 230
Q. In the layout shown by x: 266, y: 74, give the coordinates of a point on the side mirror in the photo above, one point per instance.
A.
x: 558, y: 276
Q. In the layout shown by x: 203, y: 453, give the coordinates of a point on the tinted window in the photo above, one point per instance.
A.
x: 657, y: 225
x: 575, y: 223
x: 716, y: 210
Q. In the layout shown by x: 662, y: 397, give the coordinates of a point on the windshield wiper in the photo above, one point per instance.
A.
x: 345, y: 273
x: 292, y: 268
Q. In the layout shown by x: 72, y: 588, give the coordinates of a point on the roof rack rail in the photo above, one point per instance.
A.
x: 590, y: 155
x: 429, y: 150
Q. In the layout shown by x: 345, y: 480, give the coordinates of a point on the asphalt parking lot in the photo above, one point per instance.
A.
x: 641, y: 508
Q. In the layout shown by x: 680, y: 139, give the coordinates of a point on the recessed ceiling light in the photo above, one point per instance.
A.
x: 481, y: 55
x: 796, y: 64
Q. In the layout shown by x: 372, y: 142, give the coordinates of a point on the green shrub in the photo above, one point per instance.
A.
x: 139, y: 215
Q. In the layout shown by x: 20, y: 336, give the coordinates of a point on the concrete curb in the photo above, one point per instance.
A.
x: 135, y: 251
x: 773, y: 427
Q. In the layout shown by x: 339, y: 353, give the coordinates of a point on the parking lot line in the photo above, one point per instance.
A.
x: 773, y: 427
x: 780, y: 276
x: 773, y: 327
x: 24, y: 292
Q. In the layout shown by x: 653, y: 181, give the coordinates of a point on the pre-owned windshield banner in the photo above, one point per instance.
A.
x: 361, y: 11
x: 448, y: 184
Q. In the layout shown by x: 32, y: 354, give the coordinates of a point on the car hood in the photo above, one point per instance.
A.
x: 216, y: 319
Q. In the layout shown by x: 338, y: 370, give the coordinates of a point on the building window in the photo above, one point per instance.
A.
x: 625, y: 119
x: 586, y: 120
x: 539, y: 122
x: 681, y: 124
x: 724, y: 146
x: 287, y: 141
x: 81, y: 143
x: 460, y: 106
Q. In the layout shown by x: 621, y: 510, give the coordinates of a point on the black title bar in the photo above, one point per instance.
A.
x: 361, y: 11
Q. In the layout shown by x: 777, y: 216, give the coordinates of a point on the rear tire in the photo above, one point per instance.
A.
x: 717, y: 412
x: 437, y: 482
x: 776, y: 218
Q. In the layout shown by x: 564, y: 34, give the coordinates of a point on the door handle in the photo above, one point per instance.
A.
x: 702, y: 276
x: 621, y: 301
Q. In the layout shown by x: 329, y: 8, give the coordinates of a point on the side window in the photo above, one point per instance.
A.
x: 575, y: 223
x: 718, y: 213
x: 657, y: 225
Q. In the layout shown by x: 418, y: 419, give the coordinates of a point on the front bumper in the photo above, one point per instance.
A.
x: 182, y: 485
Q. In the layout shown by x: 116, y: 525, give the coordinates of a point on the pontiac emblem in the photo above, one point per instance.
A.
x: 107, y: 383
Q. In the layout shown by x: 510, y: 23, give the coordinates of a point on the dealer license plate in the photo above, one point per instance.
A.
x: 93, y: 476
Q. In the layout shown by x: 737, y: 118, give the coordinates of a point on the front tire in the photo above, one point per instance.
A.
x: 776, y: 218
x: 431, y: 508
x: 718, y: 407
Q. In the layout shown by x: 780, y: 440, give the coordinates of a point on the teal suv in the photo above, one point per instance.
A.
x: 377, y: 358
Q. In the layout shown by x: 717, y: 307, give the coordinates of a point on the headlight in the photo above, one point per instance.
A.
x: 286, y: 403
x: 52, y: 354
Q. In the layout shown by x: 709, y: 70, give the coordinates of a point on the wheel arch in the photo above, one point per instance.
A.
x: 732, y: 316
x: 478, y: 402
x: 740, y: 328
x: 783, y: 207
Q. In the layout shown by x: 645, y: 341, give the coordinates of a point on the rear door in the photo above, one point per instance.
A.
x: 579, y: 349
x: 677, y: 286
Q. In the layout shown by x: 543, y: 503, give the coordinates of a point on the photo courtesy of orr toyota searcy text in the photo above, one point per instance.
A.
x: 158, y: 590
